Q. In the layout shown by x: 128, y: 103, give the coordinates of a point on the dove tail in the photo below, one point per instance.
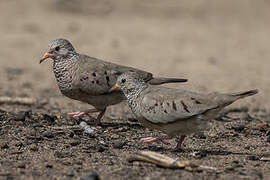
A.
x: 158, y: 81
x: 244, y: 94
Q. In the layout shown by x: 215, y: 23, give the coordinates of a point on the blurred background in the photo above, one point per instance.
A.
x: 218, y: 45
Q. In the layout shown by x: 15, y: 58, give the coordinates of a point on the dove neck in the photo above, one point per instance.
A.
x: 134, y: 92
x: 69, y: 57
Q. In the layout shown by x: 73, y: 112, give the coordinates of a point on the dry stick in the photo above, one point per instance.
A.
x: 16, y: 100
x: 265, y: 159
x: 165, y: 161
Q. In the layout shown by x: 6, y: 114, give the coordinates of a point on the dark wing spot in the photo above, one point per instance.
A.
x: 151, y: 108
x: 108, y: 79
x: 168, y: 103
x: 94, y: 74
x: 156, y: 104
x: 97, y: 81
x: 161, y: 103
x: 105, y: 72
x: 174, y: 106
x: 84, y: 78
x: 165, y: 111
x: 185, y: 106
x: 196, y: 101
x: 93, y: 82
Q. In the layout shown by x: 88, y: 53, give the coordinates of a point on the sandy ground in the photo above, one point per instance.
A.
x: 219, y: 46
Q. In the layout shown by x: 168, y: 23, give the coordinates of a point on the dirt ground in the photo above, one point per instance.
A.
x: 218, y: 45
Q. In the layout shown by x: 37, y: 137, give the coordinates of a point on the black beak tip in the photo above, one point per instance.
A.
x: 40, y: 61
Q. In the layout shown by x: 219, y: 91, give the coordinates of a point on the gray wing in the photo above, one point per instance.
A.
x: 164, y: 105
x: 96, y: 76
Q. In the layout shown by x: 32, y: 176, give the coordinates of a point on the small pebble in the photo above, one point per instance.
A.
x: 91, y: 176
x: 239, y: 128
x: 253, y: 158
x: 268, y: 139
x: 71, y: 134
x: 199, y: 154
x: 230, y: 168
x: 115, y: 136
x: 48, y: 118
x: 33, y: 147
x: 4, y: 145
x: 37, y: 124
x: 49, y: 166
x: 100, y: 149
x: 87, y: 129
x: 74, y: 142
x: 200, y: 135
x: 48, y: 134
x: 20, y: 116
x: 22, y: 166
x: 118, y: 144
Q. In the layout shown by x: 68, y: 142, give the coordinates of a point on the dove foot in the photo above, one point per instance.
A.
x: 76, y: 114
x: 87, y: 112
x: 179, y: 147
x: 82, y: 113
x: 100, y: 115
x: 156, y: 139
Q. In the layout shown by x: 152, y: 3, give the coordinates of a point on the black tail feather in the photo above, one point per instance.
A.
x: 245, y: 93
x: 158, y: 81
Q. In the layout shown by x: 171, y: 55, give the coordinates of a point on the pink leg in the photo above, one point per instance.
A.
x: 156, y: 139
x: 87, y: 112
x: 81, y: 113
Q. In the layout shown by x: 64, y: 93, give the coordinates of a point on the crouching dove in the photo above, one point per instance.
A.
x: 89, y: 80
x: 175, y: 112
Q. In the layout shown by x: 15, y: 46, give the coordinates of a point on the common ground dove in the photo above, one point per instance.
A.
x: 175, y: 112
x: 89, y: 79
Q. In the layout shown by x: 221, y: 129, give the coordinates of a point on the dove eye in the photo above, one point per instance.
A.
x: 124, y: 80
x: 57, y: 48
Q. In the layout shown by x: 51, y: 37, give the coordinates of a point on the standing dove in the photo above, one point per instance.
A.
x: 89, y: 79
x: 173, y: 111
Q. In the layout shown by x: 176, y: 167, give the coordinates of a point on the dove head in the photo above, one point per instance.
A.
x: 130, y: 84
x: 58, y: 50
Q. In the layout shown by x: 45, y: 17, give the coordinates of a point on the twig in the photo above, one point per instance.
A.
x: 16, y: 100
x: 159, y: 159
x: 166, y: 162
x: 264, y: 159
